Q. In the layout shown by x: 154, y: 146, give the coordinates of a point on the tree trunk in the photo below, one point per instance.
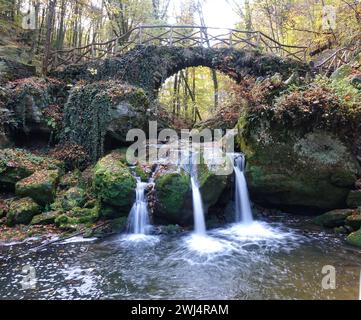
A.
x: 49, y: 31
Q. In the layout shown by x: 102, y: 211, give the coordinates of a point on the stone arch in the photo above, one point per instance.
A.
x: 149, y: 66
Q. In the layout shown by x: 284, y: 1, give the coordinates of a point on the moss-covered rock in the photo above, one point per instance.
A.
x: 354, y: 199
x: 22, y: 211
x: 174, y: 197
x: 11, y: 70
x: 115, y: 226
x: 72, y: 198
x: 114, y: 183
x: 335, y: 218
x: 45, y: 218
x: 354, y: 221
x: 78, y: 216
x: 297, y: 171
x: 31, y: 99
x: 17, y: 164
x: 102, y: 113
x: 70, y: 180
x: 355, y: 238
x: 40, y: 186
x: 211, y: 185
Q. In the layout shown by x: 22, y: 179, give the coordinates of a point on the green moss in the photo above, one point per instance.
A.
x: 74, y: 197
x: 45, y: 218
x: 114, y: 183
x: 172, y: 190
x: 211, y: 185
x: 17, y: 164
x: 22, y: 211
x: 355, y: 238
x: 93, y: 109
x: 293, y: 170
x: 335, y: 218
x: 40, y: 186
x: 78, y: 216
x: 142, y: 173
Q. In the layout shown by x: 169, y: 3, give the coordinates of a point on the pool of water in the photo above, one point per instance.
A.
x: 265, y: 260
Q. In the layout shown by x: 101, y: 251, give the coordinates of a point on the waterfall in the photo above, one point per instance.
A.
x: 243, y: 206
x: 198, y: 212
x: 138, y: 222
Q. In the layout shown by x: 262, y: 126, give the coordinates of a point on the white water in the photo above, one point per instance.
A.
x: 139, y: 218
x: 243, y: 206
x: 199, y: 222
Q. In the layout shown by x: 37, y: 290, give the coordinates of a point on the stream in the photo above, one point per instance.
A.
x: 277, y: 259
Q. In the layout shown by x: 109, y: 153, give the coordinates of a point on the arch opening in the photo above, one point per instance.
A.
x: 194, y: 95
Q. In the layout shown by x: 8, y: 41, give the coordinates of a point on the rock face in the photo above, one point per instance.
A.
x: 74, y: 197
x: 45, y: 218
x: 22, y: 211
x: 335, y: 218
x: 296, y: 171
x: 114, y: 184
x: 174, y: 202
x: 40, y: 186
x: 34, y: 102
x: 354, y: 199
x: 17, y: 164
x: 174, y: 196
x: 103, y: 113
x: 11, y: 70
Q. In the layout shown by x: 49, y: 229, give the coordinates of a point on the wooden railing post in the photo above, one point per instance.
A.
x: 258, y: 44
x: 140, y: 35
x: 171, y: 37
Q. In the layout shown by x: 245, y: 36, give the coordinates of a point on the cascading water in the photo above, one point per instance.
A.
x: 138, y: 222
x: 243, y: 206
x: 198, y: 212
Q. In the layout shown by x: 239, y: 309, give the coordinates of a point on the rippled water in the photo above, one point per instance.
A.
x: 261, y: 261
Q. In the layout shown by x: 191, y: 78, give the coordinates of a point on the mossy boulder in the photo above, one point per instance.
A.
x: 40, y: 186
x: 174, y: 196
x: 11, y: 70
x: 211, y: 185
x: 355, y: 238
x: 78, y: 216
x: 101, y: 114
x: 22, y: 211
x: 114, y: 183
x: 31, y: 99
x: 72, y: 198
x: 335, y: 218
x: 45, y: 218
x: 354, y: 199
x: 295, y: 170
x: 17, y: 164
x: 354, y: 221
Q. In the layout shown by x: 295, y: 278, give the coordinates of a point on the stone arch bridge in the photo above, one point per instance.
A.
x: 149, y: 66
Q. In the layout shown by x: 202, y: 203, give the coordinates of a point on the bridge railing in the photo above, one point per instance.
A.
x: 337, y: 59
x: 184, y: 36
